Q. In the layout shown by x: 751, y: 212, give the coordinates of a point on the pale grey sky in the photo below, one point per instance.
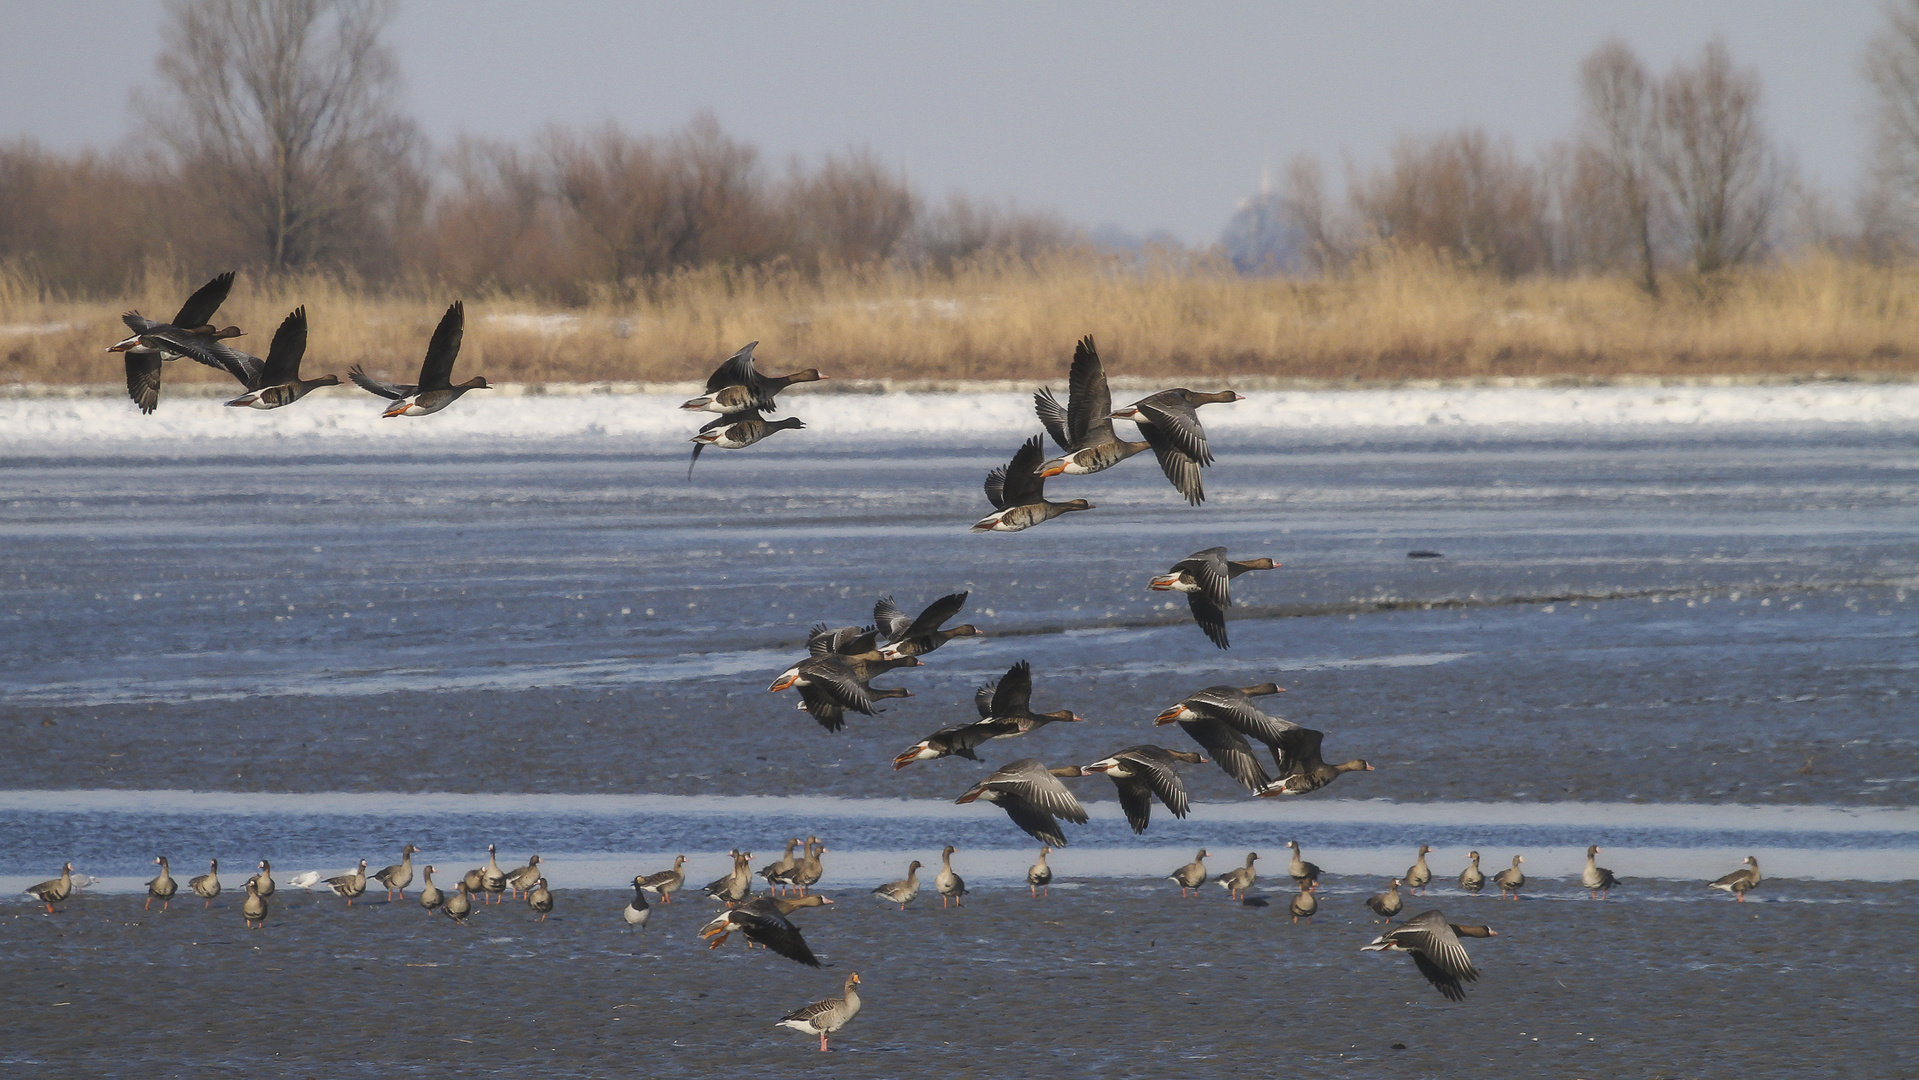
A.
x: 1147, y: 116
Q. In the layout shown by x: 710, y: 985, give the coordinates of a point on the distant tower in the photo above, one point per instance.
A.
x: 1259, y: 237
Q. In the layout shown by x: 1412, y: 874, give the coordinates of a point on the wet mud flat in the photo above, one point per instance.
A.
x: 1107, y: 977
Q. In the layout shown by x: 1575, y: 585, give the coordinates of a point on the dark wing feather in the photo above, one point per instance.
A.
x: 822, y: 708
x: 1136, y: 799
x: 1160, y: 777
x: 1090, y: 405
x: 735, y: 370
x: 143, y: 378
x: 1208, y: 569
x: 983, y: 701
x: 1029, y: 781
x: 891, y: 620
x: 996, y: 488
x: 199, y: 308
x: 1180, y: 469
x: 1036, y: 823
x: 1014, y: 694
x: 289, y: 345
x: 1298, y: 752
x: 839, y: 686
x: 1230, y: 751
x: 390, y: 391
x: 436, y: 371
x: 808, y: 1012
x: 1052, y: 417
x: 181, y: 343
x: 1172, y: 415
x: 1210, y: 617
x: 1020, y: 481
x: 776, y: 933
x: 930, y: 619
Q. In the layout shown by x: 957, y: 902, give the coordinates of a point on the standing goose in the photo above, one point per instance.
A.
x: 430, y: 895
x: 666, y: 882
x: 1205, y: 576
x: 207, y: 885
x: 1740, y: 881
x: 949, y: 885
x: 254, y: 908
x: 1141, y: 772
x: 764, y: 921
x: 1435, y: 948
x: 736, y: 386
x: 1169, y: 422
x: 55, y: 891
x: 1511, y: 879
x: 1192, y: 875
x: 921, y: 635
x: 492, y: 878
x: 459, y: 903
x: 825, y: 1017
x: 1387, y: 904
x: 1084, y: 428
x: 540, y: 899
x: 189, y: 334
x: 810, y: 869
x: 1238, y: 880
x: 1304, y: 906
x: 263, y: 881
x: 1039, y: 875
x: 1304, y: 874
x: 775, y: 872
x: 1033, y: 797
x: 1471, y: 879
x: 1597, y: 880
x: 519, y: 881
x: 162, y: 887
x: 1018, y: 494
x: 1418, y: 875
x: 637, y: 911
x: 903, y: 891
x: 473, y: 879
x: 398, y: 876
x: 349, y: 885
x: 1304, y: 770
x: 435, y: 390
x: 737, y: 885
x: 737, y: 431
x: 279, y: 381
x: 789, y: 879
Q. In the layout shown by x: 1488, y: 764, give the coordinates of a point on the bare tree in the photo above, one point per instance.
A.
x: 1891, y: 203
x: 1465, y: 193
x: 279, y: 112
x: 1716, y: 159
x: 1613, y: 187
x: 1303, y: 197
x: 851, y: 209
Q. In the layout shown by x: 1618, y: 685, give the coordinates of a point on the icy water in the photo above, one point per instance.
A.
x: 1685, y: 643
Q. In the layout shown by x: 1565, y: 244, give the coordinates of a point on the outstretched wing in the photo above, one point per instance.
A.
x: 891, y: 620
x: 436, y: 371
x: 1037, y: 823
x: 817, y: 704
x: 1230, y: 751
x: 199, y: 308
x: 1090, y: 405
x: 143, y: 378
x: 777, y: 934
x: 1210, y: 617
x: 1136, y: 800
x: 1014, y: 694
x: 1182, y: 470
x: 390, y: 391
x: 983, y: 701
x: 289, y: 345
x: 1160, y: 777
x: 1180, y: 423
x: 929, y: 620
x: 735, y: 370
x: 1052, y: 417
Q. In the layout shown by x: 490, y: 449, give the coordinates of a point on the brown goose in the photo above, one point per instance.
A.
x: 810, y: 869
x: 1169, y: 422
x: 667, y: 882
x: 788, y: 879
x: 519, y: 881
x: 1418, y: 875
x: 1204, y: 577
x: 473, y: 879
x: 1032, y: 796
x: 459, y: 903
x: 1304, y: 770
x: 1018, y: 494
x: 825, y: 1017
x: 430, y: 895
x: 349, y: 885
x: 764, y: 921
x: 278, y: 383
x: 1304, y: 906
x: 1597, y: 880
x: 207, y: 885
x: 1511, y: 879
x: 737, y: 431
x: 55, y: 891
x: 1386, y: 904
x: 1192, y: 875
x: 736, y: 386
x: 1141, y: 772
x: 398, y: 876
x: 1471, y: 879
x: 737, y: 885
x: 903, y: 891
x: 435, y: 390
x: 492, y: 878
x: 1740, y: 881
x: 921, y: 635
x: 540, y: 899
x: 1039, y: 875
x: 832, y: 683
x: 1222, y: 718
x: 1304, y: 874
x: 949, y: 885
x: 1434, y: 945
x: 162, y: 887
x: 263, y: 881
x: 1005, y: 711
x: 190, y: 334
x: 1237, y: 881
x: 254, y: 908
x: 1230, y: 751
x: 1084, y: 427
x: 776, y: 871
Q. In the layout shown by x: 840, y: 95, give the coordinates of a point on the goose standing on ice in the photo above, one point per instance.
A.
x: 1033, y: 797
x: 736, y: 386
x: 278, y: 382
x: 55, y: 891
x: 922, y: 634
x: 254, y: 908
x: 430, y: 895
x: 435, y: 390
x: 1304, y: 874
x: 1419, y: 875
x: 1598, y: 880
x: 826, y: 1017
x: 1169, y: 422
x: 638, y: 911
x: 1472, y: 879
x: 905, y: 890
x: 207, y: 885
x: 1434, y: 945
x: 190, y: 334
x: 398, y: 876
x: 949, y: 885
x: 162, y: 887
x: 349, y: 885
x: 1740, y: 881
x: 1511, y: 879
x: 1205, y: 577
x: 1018, y: 494
x: 1084, y: 427
x: 1192, y: 875
x: 1237, y: 881
x: 1039, y: 875
x: 1140, y: 773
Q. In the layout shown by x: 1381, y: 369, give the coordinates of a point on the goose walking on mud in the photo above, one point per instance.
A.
x: 540, y: 898
x: 1192, y: 875
x: 1018, y: 494
x: 263, y: 881
x: 436, y: 388
x: 905, y: 890
x: 1597, y: 880
x: 823, y: 1018
x: 430, y: 895
x: 55, y: 891
x: 1419, y: 875
x: 1304, y: 906
x: 1039, y: 876
x: 459, y: 903
x: 1435, y: 948
x: 1387, y: 904
x: 162, y: 887
x: 1304, y: 874
x: 1472, y: 879
x: 1740, y: 881
x: 1205, y: 577
x: 398, y: 876
x: 207, y: 885
x: 1511, y: 879
x: 350, y: 885
x: 667, y: 882
x: 637, y: 911
x: 254, y: 908
x: 1237, y: 881
x: 948, y: 884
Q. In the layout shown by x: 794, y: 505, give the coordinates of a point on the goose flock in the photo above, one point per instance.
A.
x: 1226, y: 723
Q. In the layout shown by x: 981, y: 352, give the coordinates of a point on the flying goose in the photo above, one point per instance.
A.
x: 1303, y: 769
x: 638, y: 910
x: 435, y: 390
x: 737, y: 387
x: 430, y: 895
x: 921, y: 635
x: 1598, y: 880
x: 1387, y: 904
x: 1084, y: 427
x: 254, y: 908
x: 1221, y: 718
x: 55, y: 891
x: 397, y: 877
x: 539, y: 898
x: 1169, y: 422
x: 737, y: 431
x: 1436, y: 950
x: 207, y: 885
x: 1240, y: 879
x: 1039, y: 875
x: 1304, y: 874
x: 1304, y: 906
x: 666, y: 882
x: 1418, y: 874
x: 1740, y: 881
x: 263, y: 881
x: 162, y: 887
x: 190, y: 334
x: 1032, y: 796
x: 764, y: 921
x: 776, y: 871
x: 903, y: 891
x: 831, y: 682
x: 278, y: 382
x: 1141, y: 772
x: 349, y: 885
x: 1511, y: 879
x: 518, y: 881
x: 1205, y: 576
x: 1005, y: 710
x: 1192, y: 875
x: 1018, y: 494
x: 1471, y: 879
x: 949, y: 885
x: 825, y: 1017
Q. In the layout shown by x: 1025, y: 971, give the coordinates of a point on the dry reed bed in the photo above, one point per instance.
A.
x: 1404, y: 316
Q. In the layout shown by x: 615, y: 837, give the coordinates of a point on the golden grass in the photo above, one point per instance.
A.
x: 1398, y: 315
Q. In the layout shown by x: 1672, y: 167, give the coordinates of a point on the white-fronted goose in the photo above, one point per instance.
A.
x: 1419, y: 875
x: 1169, y: 422
x: 540, y: 898
x: 667, y: 882
x: 55, y: 891
x: 637, y: 910
x: 825, y: 1017
x: 492, y: 878
x: 189, y: 334
x: 162, y: 887
x: 775, y: 872
x: 436, y: 389
x: 1005, y: 710
x: 1387, y: 904
x: 1032, y: 796
x: 1084, y: 427
x: 349, y: 885
x: 518, y: 881
x: 1192, y: 875
x: 1039, y: 876
x: 430, y: 895
x: 1740, y: 881
x: 1304, y: 770
x: 459, y: 903
x: 263, y: 881
x: 398, y: 876
x: 279, y: 379
x: 921, y: 635
x: 1511, y: 879
x: 1221, y: 718
x: 1018, y: 494
x: 1598, y: 880
x: 737, y: 431
x: 736, y: 386
x: 473, y: 879
x: 1435, y: 948
x: 1141, y: 772
x: 1304, y: 874
x: 831, y: 684
x: 949, y: 885
x: 1237, y: 881
x: 789, y: 878
x: 905, y: 890
x: 207, y: 885
x: 1471, y: 879
x: 254, y: 908
x: 737, y: 884
x: 1304, y: 906
x: 810, y: 869
x: 1204, y: 577
x: 764, y: 921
